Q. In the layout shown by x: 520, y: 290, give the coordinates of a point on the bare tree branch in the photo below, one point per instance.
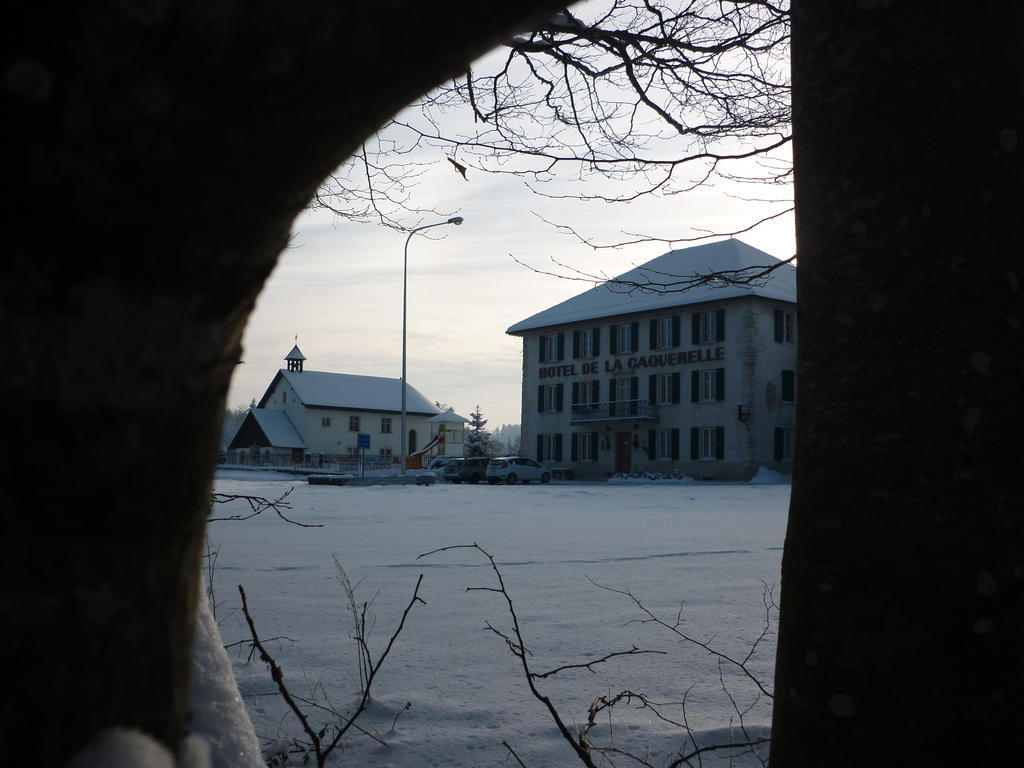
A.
x: 257, y: 506
x: 580, y: 742
x: 628, y: 91
x: 676, y: 629
x: 318, y: 739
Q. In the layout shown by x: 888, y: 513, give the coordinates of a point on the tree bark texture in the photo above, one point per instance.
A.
x: 902, y: 601
x: 158, y: 153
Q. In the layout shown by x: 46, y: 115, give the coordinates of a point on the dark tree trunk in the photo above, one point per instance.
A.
x: 158, y: 153
x: 902, y: 623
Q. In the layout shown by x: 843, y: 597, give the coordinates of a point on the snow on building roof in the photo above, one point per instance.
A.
x: 448, y: 417
x: 612, y: 298
x: 348, y: 390
x: 278, y: 428
x: 295, y: 354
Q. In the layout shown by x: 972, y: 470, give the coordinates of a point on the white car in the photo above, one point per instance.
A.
x: 516, y: 469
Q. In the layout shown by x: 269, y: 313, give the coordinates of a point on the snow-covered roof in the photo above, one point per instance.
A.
x: 348, y: 390
x: 278, y: 428
x: 295, y: 354
x: 448, y: 417
x: 611, y: 299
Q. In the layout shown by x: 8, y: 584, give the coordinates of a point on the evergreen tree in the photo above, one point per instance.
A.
x: 233, y: 419
x: 478, y: 440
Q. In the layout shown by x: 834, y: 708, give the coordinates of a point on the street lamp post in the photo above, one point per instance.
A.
x: 456, y: 220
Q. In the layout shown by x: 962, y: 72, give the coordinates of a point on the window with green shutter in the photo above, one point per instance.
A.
x: 667, y: 444
x: 710, y: 385
x: 587, y: 342
x: 708, y: 327
x: 788, y: 389
x: 784, y: 326
x: 784, y: 441
x: 707, y: 443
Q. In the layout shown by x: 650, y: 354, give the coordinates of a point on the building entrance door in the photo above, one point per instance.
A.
x: 623, y: 452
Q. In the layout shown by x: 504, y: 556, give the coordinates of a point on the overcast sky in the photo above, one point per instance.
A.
x: 339, y: 287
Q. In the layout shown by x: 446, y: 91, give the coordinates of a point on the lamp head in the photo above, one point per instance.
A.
x: 456, y: 220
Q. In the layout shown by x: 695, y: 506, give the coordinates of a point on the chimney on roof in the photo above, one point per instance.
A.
x: 295, y: 359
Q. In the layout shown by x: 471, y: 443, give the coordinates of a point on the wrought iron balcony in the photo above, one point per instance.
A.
x: 621, y: 410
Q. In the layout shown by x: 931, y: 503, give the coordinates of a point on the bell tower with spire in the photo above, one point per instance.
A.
x: 295, y: 358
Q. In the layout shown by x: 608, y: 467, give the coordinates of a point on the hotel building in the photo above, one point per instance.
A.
x: 667, y: 369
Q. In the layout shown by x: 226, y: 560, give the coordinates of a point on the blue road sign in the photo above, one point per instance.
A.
x: 364, y: 441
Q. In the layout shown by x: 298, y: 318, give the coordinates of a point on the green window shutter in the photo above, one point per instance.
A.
x: 613, y: 339
x: 634, y: 393
x: 720, y: 323
x: 719, y: 442
x: 611, y: 397
x: 694, y: 386
x: 595, y: 391
x: 694, y: 443
x: 558, y: 447
x: 559, y: 396
x: 575, y: 345
x: 575, y: 392
x: 540, y: 398
x: 561, y: 346
x: 695, y: 327
x: 720, y: 384
x: 653, y: 334
x: 652, y: 446
x: 634, y: 336
x: 597, y: 340
x: 779, y: 320
x: 543, y: 348
x: 676, y: 386
x: 788, y: 386
x: 675, y: 443
x: 778, y: 443
x: 675, y: 331
x: 574, y: 446
x: 652, y: 388
x: 540, y: 447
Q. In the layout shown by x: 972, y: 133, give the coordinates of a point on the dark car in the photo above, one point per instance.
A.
x: 471, y: 470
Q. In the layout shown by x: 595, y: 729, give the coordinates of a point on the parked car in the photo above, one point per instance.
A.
x: 440, y: 462
x: 516, y: 469
x: 470, y: 470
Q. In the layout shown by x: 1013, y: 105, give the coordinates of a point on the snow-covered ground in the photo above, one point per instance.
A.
x: 451, y: 692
